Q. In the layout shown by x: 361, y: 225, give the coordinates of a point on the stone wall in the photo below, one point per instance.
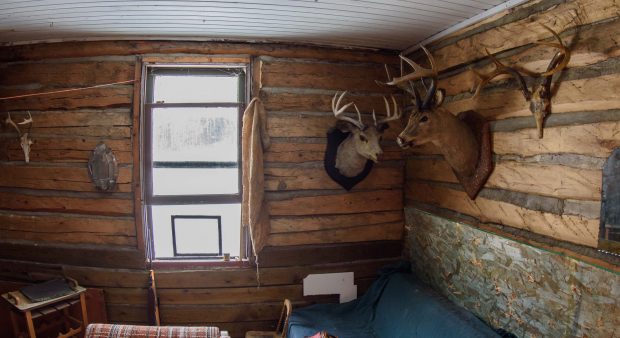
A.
x: 523, y: 289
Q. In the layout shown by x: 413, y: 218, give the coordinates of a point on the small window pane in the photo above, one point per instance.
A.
x: 195, y: 134
x: 167, y: 181
x: 162, y: 226
x: 195, y: 88
x: 196, y: 236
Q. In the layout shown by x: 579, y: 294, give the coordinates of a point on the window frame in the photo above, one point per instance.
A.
x: 148, y: 198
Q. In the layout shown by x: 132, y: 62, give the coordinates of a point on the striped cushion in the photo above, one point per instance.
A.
x: 136, y: 331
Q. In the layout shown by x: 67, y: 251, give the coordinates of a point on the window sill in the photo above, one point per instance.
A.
x: 189, y: 264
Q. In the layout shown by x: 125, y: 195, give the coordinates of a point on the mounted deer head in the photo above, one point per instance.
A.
x: 461, y: 140
x: 25, y: 140
x: 540, y: 95
x: 356, y: 145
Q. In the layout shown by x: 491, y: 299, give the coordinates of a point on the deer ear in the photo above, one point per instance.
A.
x: 440, y: 94
x: 345, y: 127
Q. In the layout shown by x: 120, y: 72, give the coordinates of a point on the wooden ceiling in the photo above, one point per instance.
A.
x: 387, y: 24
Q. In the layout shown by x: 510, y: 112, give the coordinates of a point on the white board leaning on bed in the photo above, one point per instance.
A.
x: 340, y: 283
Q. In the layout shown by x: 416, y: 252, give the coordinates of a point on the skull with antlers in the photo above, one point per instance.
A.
x: 540, y: 95
x: 25, y: 140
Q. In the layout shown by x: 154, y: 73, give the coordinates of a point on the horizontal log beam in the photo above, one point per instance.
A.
x: 323, y: 75
x: 279, y: 179
x: 540, y: 179
x: 596, y: 139
x: 301, y: 224
x: 356, y: 202
x: 105, y: 97
x: 103, y: 205
x: 57, y: 178
x: 312, y: 125
x: 80, y: 255
x: 384, y: 231
x: 275, y: 270
x: 98, y: 48
x: 62, y: 74
x: 562, y: 227
x: 563, y: 16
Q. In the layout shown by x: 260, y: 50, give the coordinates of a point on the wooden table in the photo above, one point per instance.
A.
x: 33, y: 310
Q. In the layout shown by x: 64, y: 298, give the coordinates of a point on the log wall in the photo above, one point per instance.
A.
x: 522, y: 256
x: 549, y: 186
x: 52, y: 220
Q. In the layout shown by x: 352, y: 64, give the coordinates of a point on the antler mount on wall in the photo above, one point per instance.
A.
x: 24, y: 137
x: 463, y: 140
x: 539, y: 97
x: 352, y: 145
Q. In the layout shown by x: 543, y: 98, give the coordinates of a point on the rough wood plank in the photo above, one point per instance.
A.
x: 292, y: 273
x: 115, y: 96
x: 69, y: 237
x: 136, y: 177
x: 597, y: 139
x: 127, y: 313
x: 313, y: 125
x: 561, y: 17
x: 97, y: 48
x: 50, y: 74
x: 200, y: 314
x: 184, y: 58
x: 336, y: 76
x: 280, y: 179
x: 27, y: 271
x: 310, y: 101
x: 94, y: 131
x: 384, y: 231
x: 102, y: 277
x: 103, y: 205
x: 63, y: 149
x: 68, y: 229
x: 329, y: 253
x: 311, y: 223
x: 77, y: 118
x: 57, y: 178
x: 293, y: 152
x: 562, y: 227
x: 213, y: 296
x: 549, y: 180
x: 524, y: 10
x: 356, y: 202
x: 589, y: 45
x: 597, y: 93
x: 111, y: 256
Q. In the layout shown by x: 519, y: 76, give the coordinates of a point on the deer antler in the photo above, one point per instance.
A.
x: 26, y: 120
x: 8, y: 120
x: 540, y: 95
x: 500, y: 68
x: 25, y: 140
x: 555, y: 65
x: 418, y: 71
x: 339, y: 111
x: 405, y: 82
x: 390, y: 117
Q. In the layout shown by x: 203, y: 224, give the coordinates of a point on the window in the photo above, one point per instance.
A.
x: 192, y: 171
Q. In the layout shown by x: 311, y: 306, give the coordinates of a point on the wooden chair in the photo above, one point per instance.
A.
x: 280, y: 331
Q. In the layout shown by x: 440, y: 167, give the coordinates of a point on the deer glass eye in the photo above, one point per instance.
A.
x: 363, y: 138
x: 424, y: 119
